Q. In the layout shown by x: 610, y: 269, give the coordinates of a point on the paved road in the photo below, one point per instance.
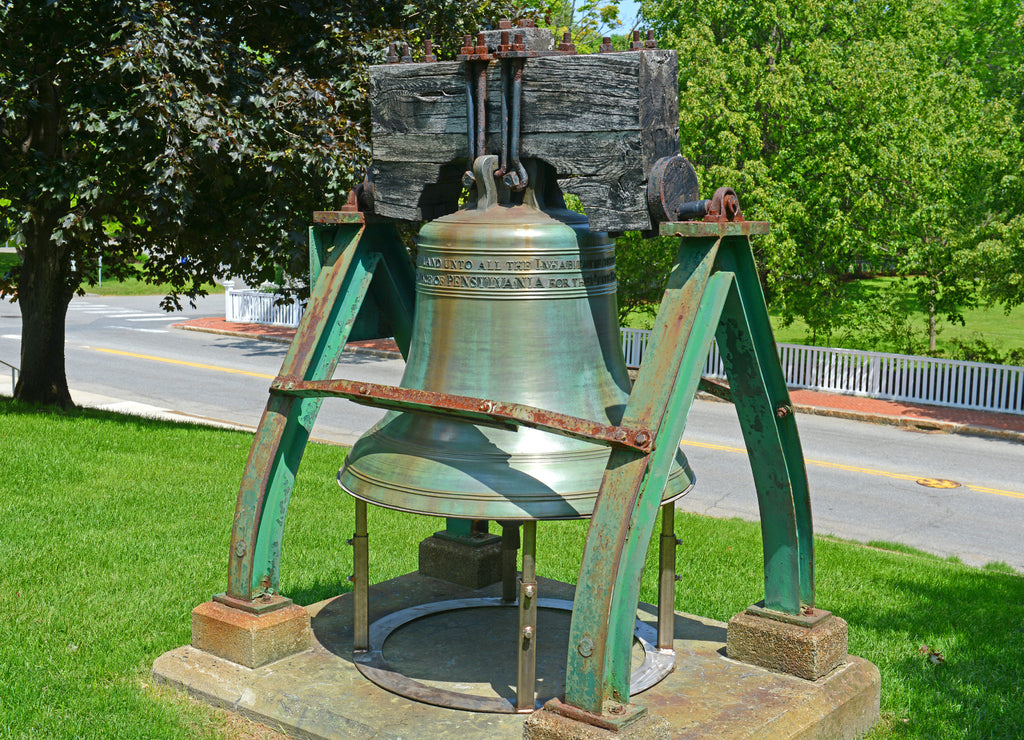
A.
x: 863, y: 477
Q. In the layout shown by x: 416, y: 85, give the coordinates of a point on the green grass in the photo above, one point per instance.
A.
x: 1002, y: 331
x: 129, y: 286
x: 112, y: 528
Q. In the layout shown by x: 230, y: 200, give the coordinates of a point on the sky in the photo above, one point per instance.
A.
x: 628, y: 11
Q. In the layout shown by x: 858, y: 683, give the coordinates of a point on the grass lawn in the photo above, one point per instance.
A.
x: 131, y: 286
x: 112, y: 528
x: 1003, y: 331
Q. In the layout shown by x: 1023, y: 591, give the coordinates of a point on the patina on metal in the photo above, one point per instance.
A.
x: 515, y: 302
x: 516, y: 404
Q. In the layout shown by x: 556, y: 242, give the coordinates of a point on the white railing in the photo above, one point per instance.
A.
x: 928, y: 380
x: 14, y: 375
x: 260, y: 307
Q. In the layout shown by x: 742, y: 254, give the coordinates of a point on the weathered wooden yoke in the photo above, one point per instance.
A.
x: 518, y: 122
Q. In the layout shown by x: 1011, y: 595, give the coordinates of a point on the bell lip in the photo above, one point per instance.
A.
x: 687, y: 472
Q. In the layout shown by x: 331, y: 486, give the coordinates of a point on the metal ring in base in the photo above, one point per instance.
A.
x: 371, y: 663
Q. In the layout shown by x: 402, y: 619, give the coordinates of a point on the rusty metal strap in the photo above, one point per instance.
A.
x: 476, y: 410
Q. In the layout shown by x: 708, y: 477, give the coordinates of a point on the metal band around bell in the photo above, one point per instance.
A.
x: 657, y: 664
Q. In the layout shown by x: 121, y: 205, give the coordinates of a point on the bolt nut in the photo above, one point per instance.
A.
x: 585, y: 647
x: 529, y: 590
x: 642, y: 438
x: 363, y: 389
x: 511, y: 180
x: 616, y: 708
x: 783, y: 411
x: 527, y: 632
x: 240, y: 549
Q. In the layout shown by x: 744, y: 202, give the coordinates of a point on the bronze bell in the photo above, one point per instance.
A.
x: 516, y: 303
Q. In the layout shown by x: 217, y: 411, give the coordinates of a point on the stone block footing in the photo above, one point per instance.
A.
x: 545, y: 724
x: 251, y: 640
x: 808, y: 652
x: 471, y: 562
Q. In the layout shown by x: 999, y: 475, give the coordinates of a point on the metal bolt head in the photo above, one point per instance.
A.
x: 529, y: 591
x: 783, y: 411
x: 240, y: 549
x: 642, y: 438
x: 527, y: 632
x: 511, y: 180
x: 363, y: 389
x: 504, y: 23
x: 585, y: 647
x: 616, y: 708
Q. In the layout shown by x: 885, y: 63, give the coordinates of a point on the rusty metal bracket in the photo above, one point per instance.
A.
x: 476, y: 410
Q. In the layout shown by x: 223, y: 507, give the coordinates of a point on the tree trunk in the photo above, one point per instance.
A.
x: 44, y: 295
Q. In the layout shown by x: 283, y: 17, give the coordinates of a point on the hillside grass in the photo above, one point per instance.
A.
x: 112, y: 528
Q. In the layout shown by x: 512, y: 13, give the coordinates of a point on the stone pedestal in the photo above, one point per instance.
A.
x: 808, y: 645
x: 251, y: 639
x: 472, y: 561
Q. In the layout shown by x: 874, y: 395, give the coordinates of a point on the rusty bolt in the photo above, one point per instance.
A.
x: 585, y: 647
x: 529, y: 590
x: 481, y: 43
x: 486, y: 407
x: 783, y: 411
x: 620, y: 435
x: 392, y: 54
x: 642, y: 438
x: 567, y: 46
x: 504, y: 23
x: 650, y: 43
x: 240, y: 549
x: 520, y: 42
x: 616, y: 708
x: 606, y: 44
x: 527, y: 632
x: 406, y: 54
x: 636, y: 43
x: 428, y: 51
x: 526, y: 23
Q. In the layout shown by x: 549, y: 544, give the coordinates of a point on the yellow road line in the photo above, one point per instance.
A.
x: 183, y: 362
x: 865, y: 471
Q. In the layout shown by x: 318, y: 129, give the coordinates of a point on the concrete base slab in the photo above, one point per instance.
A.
x: 320, y: 694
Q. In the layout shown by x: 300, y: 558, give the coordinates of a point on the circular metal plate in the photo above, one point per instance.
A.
x: 371, y: 663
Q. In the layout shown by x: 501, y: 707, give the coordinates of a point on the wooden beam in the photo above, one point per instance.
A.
x: 600, y: 120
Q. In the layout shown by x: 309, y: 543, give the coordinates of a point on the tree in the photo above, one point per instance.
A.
x: 870, y: 130
x: 200, y: 134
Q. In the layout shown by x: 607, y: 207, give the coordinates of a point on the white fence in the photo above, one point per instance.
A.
x: 928, y: 380
x: 259, y: 307
x: 953, y: 383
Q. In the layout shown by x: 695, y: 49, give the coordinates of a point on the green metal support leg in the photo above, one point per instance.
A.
x: 712, y: 289
x: 354, y: 256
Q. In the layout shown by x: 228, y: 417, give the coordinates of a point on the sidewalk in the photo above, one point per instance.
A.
x: 916, y: 416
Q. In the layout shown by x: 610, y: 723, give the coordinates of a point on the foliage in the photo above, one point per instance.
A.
x: 195, y: 130
x: 642, y: 267
x: 878, y: 131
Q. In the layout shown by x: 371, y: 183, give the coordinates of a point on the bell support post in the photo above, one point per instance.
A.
x: 712, y: 291
x: 353, y: 257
